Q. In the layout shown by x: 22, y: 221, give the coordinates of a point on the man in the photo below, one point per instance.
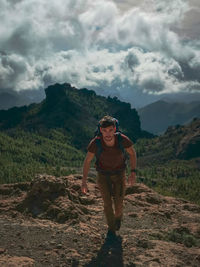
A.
x: 110, y: 166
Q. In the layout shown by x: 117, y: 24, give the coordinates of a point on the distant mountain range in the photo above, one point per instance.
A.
x: 9, y: 99
x: 156, y: 117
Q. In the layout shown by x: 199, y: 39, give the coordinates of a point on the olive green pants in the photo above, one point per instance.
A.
x: 112, y: 188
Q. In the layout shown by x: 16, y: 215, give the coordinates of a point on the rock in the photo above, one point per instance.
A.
x: 155, y: 231
x: 50, y: 197
x: 137, y: 189
x: 133, y: 214
x: 191, y: 207
x: 154, y: 198
x: 87, y: 200
x: 59, y: 246
x: 44, y: 189
x: 189, y: 146
x: 145, y: 244
x: 2, y: 250
x: 16, y: 261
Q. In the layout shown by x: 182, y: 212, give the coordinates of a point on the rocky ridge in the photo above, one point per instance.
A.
x: 48, y: 222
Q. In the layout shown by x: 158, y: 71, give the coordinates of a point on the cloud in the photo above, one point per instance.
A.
x: 92, y: 43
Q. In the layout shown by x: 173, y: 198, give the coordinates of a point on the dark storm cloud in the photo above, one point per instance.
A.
x: 91, y: 43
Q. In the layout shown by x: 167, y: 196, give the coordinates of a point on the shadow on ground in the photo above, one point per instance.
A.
x: 110, y: 254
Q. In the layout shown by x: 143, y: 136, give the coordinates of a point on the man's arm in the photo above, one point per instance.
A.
x: 132, y: 154
x: 86, y: 168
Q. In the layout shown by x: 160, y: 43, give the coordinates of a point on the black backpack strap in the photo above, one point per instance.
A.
x: 99, y: 150
x: 121, y: 147
x: 97, y: 132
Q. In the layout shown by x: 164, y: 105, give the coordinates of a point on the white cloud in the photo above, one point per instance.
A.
x: 91, y: 43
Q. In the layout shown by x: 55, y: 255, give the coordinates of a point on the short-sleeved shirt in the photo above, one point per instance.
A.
x: 112, y: 157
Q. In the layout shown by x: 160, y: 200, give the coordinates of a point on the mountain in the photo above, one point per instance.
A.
x: 170, y: 163
x: 50, y: 135
x: 157, y: 116
x: 48, y: 222
x: 181, y: 97
x: 8, y: 100
x: 178, y: 142
x: 17, y: 99
x: 76, y: 112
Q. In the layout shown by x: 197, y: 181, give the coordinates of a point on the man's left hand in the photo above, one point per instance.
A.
x: 132, y: 179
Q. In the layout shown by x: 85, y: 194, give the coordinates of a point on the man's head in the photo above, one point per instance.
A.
x: 107, y: 128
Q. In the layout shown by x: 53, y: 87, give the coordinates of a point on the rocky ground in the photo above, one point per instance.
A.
x: 48, y: 222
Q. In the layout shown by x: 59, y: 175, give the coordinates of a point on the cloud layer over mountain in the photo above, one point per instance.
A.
x: 97, y: 44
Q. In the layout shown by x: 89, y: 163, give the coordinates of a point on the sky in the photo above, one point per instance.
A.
x: 137, y: 50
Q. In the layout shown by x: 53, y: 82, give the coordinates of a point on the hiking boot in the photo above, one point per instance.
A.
x: 117, y: 224
x: 111, y: 236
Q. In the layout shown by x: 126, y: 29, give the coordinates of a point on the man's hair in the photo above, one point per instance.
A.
x: 107, y: 121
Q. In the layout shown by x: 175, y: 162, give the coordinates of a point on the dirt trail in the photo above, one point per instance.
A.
x: 50, y: 223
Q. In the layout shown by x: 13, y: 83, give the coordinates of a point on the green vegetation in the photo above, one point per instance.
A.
x: 160, y: 168
x: 24, y: 154
x: 177, y: 178
x: 180, y: 235
x: 183, y: 236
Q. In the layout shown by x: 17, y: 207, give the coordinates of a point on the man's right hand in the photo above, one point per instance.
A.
x: 84, y: 188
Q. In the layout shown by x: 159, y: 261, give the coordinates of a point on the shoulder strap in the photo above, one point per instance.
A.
x: 99, y: 150
x: 119, y: 137
x: 121, y: 147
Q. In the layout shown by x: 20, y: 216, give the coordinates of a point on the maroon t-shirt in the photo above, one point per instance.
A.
x: 112, y: 157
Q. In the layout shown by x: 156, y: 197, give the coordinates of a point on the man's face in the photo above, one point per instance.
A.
x: 108, y: 133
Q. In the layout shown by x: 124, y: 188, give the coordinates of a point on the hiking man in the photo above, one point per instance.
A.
x: 110, y: 166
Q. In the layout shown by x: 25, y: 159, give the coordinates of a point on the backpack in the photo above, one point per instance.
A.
x: 99, y: 145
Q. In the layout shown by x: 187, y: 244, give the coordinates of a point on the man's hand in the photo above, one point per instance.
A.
x: 84, y: 188
x: 132, y: 154
x: 86, y: 167
x: 132, y: 179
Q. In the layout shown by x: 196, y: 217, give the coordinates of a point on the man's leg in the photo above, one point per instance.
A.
x: 119, y: 188
x: 104, y: 187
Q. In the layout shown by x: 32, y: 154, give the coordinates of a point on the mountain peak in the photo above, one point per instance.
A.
x: 157, y: 116
x: 57, y: 90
